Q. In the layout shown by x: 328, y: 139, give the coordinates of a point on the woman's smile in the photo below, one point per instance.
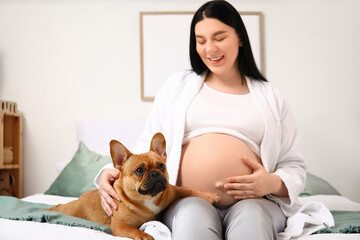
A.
x: 215, y: 60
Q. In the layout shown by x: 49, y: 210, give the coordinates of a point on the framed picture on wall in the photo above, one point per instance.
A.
x: 164, y: 46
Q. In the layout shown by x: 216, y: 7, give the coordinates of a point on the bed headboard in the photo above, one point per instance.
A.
x: 96, y: 133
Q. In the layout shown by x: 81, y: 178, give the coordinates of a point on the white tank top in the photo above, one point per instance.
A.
x: 212, y: 111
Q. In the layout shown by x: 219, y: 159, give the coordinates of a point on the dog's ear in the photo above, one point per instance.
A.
x: 119, y: 153
x: 158, y: 145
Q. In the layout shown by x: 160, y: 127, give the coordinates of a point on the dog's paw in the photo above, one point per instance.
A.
x: 144, y: 236
x: 213, y: 198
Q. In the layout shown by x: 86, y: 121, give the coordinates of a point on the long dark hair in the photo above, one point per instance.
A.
x: 226, y: 13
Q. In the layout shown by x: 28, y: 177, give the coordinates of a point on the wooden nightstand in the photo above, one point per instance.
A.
x: 11, y: 149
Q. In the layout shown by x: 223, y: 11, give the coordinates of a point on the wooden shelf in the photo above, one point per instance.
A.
x: 10, y: 166
x: 11, y: 137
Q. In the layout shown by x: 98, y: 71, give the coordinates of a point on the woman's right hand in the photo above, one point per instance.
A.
x: 106, y: 191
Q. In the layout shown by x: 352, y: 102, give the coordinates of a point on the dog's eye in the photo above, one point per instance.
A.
x: 140, y: 171
x: 161, y: 167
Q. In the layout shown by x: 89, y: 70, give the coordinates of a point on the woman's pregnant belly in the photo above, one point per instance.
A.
x: 208, y: 160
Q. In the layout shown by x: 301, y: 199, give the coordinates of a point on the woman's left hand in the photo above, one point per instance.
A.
x: 255, y: 185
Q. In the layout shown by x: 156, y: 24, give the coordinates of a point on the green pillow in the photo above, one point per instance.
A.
x: 317, y: 186
x: 78, y: 175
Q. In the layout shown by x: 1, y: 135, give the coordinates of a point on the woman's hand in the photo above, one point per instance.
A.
x: 255, y: 185
x: 106, y: 191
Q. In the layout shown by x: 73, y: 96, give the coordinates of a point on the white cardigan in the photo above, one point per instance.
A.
x: 279, y: 150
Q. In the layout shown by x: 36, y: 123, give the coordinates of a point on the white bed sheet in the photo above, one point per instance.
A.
x: 48, y: 199
x: 333, y: 202
x: 332, y: 237
x: 19, y: 230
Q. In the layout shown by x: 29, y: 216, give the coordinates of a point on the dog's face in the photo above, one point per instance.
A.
x: 143, y: 176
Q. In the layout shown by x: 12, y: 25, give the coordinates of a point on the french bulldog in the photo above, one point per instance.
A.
x: 142, y: 187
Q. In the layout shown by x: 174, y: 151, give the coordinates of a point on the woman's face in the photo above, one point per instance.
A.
x: 217, y: 45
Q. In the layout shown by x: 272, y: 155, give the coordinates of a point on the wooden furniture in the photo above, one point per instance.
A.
x: 11, y: 147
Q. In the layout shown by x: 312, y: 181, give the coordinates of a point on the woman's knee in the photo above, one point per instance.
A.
x: 256, y: 208
x: 255, y: 212
x: 194, y: 217
x: 247, y: 211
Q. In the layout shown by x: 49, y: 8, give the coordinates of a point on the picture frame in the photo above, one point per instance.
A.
x: 164, y: 44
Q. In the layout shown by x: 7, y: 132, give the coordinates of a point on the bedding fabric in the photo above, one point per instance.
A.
x: 345, y: 222
x: 28, y: 216
x: 16, y: 209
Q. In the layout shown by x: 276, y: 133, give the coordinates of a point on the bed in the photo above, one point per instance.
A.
x: 23, y: 218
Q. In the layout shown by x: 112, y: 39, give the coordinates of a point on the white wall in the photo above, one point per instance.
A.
x: 72, y: 59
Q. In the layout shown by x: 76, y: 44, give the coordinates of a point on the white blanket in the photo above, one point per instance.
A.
x: 157, y: 229
x: 310, y: 218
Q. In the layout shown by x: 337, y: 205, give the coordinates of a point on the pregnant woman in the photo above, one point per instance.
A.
x: 227, y: 131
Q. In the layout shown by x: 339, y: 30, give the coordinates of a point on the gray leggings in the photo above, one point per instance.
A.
x: 194, y: 218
